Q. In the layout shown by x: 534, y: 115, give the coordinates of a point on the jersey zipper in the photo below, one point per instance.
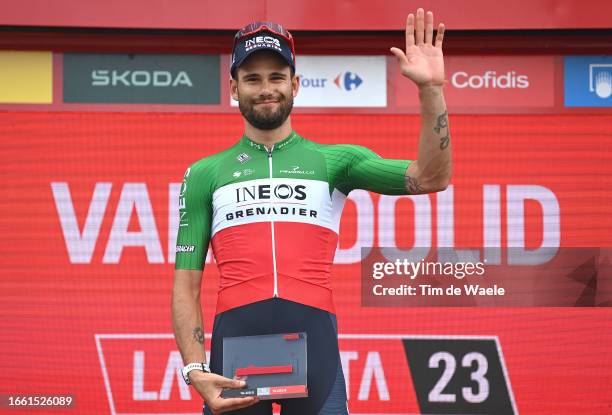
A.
x: 275, y: 295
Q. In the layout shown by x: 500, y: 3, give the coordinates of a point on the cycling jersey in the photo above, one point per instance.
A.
x: 272, y: 215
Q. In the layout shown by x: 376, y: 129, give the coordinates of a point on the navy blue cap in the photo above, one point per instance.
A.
x: 256, y: 42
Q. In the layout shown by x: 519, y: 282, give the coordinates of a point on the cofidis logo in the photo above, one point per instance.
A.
x: 588, y: 81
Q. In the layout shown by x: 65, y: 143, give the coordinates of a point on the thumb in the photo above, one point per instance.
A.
x: 399, y: 54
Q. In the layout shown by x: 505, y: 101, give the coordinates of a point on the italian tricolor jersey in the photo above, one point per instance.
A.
x: 272, y: 215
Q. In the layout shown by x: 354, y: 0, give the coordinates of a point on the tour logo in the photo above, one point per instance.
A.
x: 140, y: 78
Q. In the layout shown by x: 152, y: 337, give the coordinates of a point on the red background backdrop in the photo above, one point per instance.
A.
x: 559, y: 360
x: 70, y: 328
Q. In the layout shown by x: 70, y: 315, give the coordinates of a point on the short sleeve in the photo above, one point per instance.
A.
x: 195, y: 211
x: 368, y: 171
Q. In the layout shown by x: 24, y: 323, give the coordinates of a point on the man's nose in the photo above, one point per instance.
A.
x: 266, y: 86
x: 266, y: 89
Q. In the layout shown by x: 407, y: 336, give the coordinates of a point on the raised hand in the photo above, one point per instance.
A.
x: 423, y: 61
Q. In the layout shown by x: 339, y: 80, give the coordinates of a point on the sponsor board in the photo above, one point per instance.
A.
x: 341, y: 81
x: 394, y: 373
x: 26, y: 77
x: 141, y: 78
x: 490, y: 82
x: 587, y: 81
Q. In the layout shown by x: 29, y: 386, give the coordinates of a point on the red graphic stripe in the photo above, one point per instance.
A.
x: 263, y: 370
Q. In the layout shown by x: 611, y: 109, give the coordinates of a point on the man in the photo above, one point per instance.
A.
x: 271, y: 205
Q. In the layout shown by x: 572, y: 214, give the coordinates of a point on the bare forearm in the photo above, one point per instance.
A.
x: 187, y: 320
x: 433, y: 167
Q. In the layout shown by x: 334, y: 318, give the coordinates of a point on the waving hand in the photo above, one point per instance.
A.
x: 422, y: 62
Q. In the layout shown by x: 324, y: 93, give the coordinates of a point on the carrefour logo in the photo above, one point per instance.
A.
x: 345, y: 81
x: 348, y: 81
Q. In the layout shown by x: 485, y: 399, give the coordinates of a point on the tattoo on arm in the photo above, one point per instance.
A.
x: 444, y: 141
x: 198, y: 335
x: 441, y: 124
x: 413, y: 186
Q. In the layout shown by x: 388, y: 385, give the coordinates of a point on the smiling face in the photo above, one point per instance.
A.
x: 264, y: 88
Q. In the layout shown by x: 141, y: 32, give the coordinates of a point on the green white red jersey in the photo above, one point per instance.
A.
x: 273, y: 215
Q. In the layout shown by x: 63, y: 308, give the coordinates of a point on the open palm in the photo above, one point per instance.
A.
x: 423, y: 61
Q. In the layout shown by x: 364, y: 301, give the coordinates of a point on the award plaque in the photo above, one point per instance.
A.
x: 273, y: 365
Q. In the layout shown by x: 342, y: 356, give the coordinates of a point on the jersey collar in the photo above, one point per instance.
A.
x: 288, y: 142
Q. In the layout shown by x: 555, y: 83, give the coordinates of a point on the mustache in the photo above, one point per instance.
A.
x: 269, y: 98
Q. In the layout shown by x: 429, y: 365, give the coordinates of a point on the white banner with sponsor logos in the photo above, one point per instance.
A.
x: 342, y: 81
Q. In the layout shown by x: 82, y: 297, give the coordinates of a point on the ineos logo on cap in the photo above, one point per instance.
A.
x: 262, y: 41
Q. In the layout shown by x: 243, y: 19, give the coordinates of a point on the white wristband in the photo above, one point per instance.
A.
x: 193, y: 366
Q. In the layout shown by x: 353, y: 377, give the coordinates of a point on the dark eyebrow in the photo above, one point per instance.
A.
x: 251, y: 76
x: 278, y: 74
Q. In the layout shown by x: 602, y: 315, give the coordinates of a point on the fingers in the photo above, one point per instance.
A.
x: 420, y: 27
x: 440, y: 35
x: 237, y: 403
x: 410, y: 31
x: 222, y: 382
x: 428, y: 28
x: 419, y: 30
x: 221, y: 405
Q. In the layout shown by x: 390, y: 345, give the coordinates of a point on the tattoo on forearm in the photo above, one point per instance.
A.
x: 444, y: 141
x: 441, y: 124
x: 198, y: 335
x: 413, y: 186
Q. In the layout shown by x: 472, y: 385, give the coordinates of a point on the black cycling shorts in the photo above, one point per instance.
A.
x: 326, y: 386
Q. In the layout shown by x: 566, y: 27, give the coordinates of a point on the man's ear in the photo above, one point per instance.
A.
x: 295, y: 85
x: 234, y: 89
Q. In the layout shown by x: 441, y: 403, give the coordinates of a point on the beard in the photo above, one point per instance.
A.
x: 266, y: 118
